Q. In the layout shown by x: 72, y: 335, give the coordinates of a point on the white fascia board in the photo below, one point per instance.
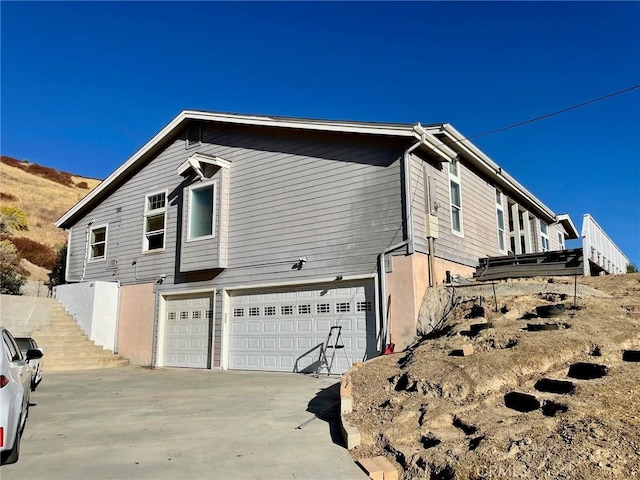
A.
x: 328, y: 126
x: 568, y: 225
x: 304, y: 124
x: 122, y: 169
x: 493, y: 169
x: 445, y: 153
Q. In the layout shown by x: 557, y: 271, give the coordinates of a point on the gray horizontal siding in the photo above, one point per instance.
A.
x: 334, y: 199
x: 480, y: 237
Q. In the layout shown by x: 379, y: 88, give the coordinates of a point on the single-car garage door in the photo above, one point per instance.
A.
x: 187, y: 341
x: 283, y: 330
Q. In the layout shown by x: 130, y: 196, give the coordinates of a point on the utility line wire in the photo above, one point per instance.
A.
x: 547, y: 115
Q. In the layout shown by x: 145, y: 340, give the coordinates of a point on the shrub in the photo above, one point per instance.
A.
x: 8, y: 197
x: 84, y: 185
x: 52, y: 174
x: 11, y: 280
x: 56, y: 277
x: 36, y: 252
x: 12, y: 218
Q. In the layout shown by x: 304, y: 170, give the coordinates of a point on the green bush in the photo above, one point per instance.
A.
x: 11, y: 280
x: 12, y: 218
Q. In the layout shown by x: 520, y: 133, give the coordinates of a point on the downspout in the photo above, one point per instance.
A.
x: 407, y: 241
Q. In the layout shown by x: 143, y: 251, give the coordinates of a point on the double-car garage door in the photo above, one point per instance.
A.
x: 275, y: 329
x: 283, y: 330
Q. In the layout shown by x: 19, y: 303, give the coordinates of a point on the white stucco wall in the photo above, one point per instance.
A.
x: 94, y: 306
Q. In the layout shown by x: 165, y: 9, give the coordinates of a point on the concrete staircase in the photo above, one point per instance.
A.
x: 66, y: 347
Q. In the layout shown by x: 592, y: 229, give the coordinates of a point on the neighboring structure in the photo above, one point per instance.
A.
x: 602, y: 254
x: 237, y: 241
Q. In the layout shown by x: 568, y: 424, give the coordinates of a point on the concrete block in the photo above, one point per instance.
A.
x: 467, y: 349
x: 372, y: 468
x: 345, y: 386
x: 379, y: 468
x: 350, y: 434
x: 346, y: 405
x: 390, y: 471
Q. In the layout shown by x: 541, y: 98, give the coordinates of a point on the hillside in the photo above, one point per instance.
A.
x: 40, y: 193
x: 526, y: 403
x: 44, y: 194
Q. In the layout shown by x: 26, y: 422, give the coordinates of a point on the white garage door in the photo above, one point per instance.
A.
x: 187, y: 331
x: 282, y: 330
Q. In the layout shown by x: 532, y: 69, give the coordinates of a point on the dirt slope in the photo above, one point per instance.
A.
x: 442, y: 416
x: 43, y: 200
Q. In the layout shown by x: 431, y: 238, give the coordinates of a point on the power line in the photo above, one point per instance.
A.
x: 547, y: 115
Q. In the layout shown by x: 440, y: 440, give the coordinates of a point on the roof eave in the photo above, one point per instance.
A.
x: 488, y: 166
x: 569, y: 227
x: 394, y: 130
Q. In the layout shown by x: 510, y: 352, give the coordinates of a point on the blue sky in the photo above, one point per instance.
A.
x: 85, y: 84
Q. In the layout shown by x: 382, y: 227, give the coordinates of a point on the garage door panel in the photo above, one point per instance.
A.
x: 286, y: 343
x: 286, y: 326
x: 303, y: 326
x: 294, y: 323
x: 188, y: 323
x: 269, y: 343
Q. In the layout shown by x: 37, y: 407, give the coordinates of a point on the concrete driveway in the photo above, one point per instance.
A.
x: 137, y: 423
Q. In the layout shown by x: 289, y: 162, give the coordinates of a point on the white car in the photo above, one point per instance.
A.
x: 15, y: 391
x: 25, y: 344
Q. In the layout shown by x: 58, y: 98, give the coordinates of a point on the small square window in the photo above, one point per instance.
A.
x: 194, y: 134
x: 343, y: 307
x: 286, y: 310
x: 196, y: 314
x: 238, y: 312
x: 363, y: 306
x: 269, y: 311
x: 171, y: 316
x: 184, y: 315
x: 254, y: 311
x: 304, y: 309
x: 209, y: 314
x: 322, y: 308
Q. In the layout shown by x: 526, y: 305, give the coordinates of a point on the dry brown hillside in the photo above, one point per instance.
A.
x: 554, y: 397
x: 44, y: 194
x: 39, y: 195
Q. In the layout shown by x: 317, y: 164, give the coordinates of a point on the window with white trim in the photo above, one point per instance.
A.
x: 201, y: 218
x: 561, y: 240
x: 155, y: 221
x: 544, y: 237
x: 98, y: 243
x: 502, y: 238
x: 455, y: 196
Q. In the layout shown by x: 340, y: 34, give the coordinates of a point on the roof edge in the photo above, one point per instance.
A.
x: 387, y: 129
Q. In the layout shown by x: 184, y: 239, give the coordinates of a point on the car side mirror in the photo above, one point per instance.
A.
x: 32, y: 354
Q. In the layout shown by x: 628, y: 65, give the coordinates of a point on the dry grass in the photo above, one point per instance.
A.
x: 43, y: 200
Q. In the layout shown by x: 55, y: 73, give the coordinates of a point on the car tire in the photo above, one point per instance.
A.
x: 11, y: 456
